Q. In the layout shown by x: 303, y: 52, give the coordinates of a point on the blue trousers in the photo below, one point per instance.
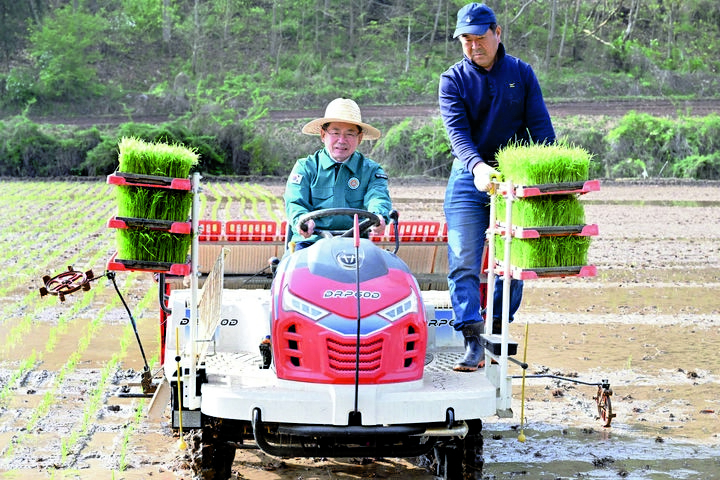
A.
x: 467, y: 213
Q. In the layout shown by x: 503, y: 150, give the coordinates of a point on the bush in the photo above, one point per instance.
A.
x: 415, y: 147
x: 699, y: 167
x: 658, y: 146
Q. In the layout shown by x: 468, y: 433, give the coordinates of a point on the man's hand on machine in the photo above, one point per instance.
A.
x: 380, y: 228
x: 482, y: 175
x: 309, y: 229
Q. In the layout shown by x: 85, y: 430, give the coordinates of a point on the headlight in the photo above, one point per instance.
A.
x: 291, y: 303
x: 400, y: 309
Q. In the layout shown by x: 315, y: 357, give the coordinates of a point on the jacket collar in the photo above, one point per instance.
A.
x: 499, y: 56
x: 327, y: 163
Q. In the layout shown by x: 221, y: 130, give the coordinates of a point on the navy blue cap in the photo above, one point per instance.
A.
x: 474, y: 18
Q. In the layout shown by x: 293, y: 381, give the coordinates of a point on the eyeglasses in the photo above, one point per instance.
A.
x: 337, y: 134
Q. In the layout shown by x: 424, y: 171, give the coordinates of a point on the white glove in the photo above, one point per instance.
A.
x: 380, y: 228
x: 482, y: 173
x: 310, y: 224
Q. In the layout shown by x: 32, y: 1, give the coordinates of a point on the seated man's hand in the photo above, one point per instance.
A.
x: 380, y: 228
x: 310, y: 224
x: 482, y: 173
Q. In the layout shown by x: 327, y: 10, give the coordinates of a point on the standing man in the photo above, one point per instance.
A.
x: 336, y: 176
x: 487, y: 100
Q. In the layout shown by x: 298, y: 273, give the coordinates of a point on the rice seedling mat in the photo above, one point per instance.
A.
x: 162, y: 225
x: 560, y: 243
x: 557, y: 188
x: 154, y: 197
x: 155, y: 181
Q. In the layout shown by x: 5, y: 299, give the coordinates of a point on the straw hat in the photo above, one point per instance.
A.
x: 342, y: 110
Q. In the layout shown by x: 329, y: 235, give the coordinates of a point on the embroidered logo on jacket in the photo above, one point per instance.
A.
x: 353, y: 183
x: 296, y: 178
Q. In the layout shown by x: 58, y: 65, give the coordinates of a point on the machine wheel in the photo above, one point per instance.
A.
x: 211, y: 456
x: 604, y: 405
x: 455, y: 458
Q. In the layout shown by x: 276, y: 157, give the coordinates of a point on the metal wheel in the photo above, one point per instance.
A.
x: 211, y: 456
x: 455, y: 458
x: 604, y: 405
x: 66, y: 283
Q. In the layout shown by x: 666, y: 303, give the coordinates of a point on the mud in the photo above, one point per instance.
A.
x: 648, y: 323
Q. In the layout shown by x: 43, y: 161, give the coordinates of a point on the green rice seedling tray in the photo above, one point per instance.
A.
x: 153, y: 203
x: 155, y: 159
x: 545, y: 252
x: 145, y: 245
x: 542, y: 164
x: 547, y: 272
x: 543, y: 211
x: 153, y: 181
x: 525, y: 191
x: 162, y: 225
x: 179, y: 269
x: 565, y: 188
x: 561, y: 230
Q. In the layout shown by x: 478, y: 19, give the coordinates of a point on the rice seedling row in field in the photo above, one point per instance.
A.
x: 19, y: 216
x: 99, y: 394
x: 226, y: 201
x: 65, y: 319
x: 131, y: 427
x: 94, y: 397
x: 70, y: 246
x: 42, y: 223
x: 21, y: 315
x: 217, y: 200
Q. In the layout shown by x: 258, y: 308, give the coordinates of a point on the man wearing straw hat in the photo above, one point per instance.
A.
x: 336, y: 176
x: 487, y: 100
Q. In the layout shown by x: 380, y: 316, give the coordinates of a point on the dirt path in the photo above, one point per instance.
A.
x: 648, y: 323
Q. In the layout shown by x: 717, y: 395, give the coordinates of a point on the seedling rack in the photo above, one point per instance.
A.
x: 182, y: 228
x: 507, y: 271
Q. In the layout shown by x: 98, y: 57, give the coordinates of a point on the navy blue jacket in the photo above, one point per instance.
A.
x: 484, y: 110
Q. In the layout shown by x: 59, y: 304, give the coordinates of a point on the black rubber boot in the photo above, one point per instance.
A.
x: 474, y: 351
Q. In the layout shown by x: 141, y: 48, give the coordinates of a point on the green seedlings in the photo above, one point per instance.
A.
x: 544, y: 211
x: 545, y: 252
x: 138, y: 156
x: 153, y: 203
x: 147, y: 245
x: 543, y: 164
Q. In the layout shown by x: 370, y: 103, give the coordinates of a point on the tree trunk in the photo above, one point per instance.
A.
x: 407, y: 46
x: 435, y: 23
x: 551, y: 34
x: 196, y: 36
x: 632, y: 17
x: 166, y: 27
x: 561, y: 49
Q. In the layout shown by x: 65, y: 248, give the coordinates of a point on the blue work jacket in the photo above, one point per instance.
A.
x: 484, y: 111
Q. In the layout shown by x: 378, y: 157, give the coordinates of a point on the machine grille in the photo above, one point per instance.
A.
x: 341, y: 355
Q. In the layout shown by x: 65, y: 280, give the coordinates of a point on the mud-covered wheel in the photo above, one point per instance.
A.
x: 211, y: 456
x: 604, y: 405
x: 449, y: 457
x: 456, y: 458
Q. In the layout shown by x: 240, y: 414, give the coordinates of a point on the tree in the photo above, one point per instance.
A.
x: 65, y: 49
